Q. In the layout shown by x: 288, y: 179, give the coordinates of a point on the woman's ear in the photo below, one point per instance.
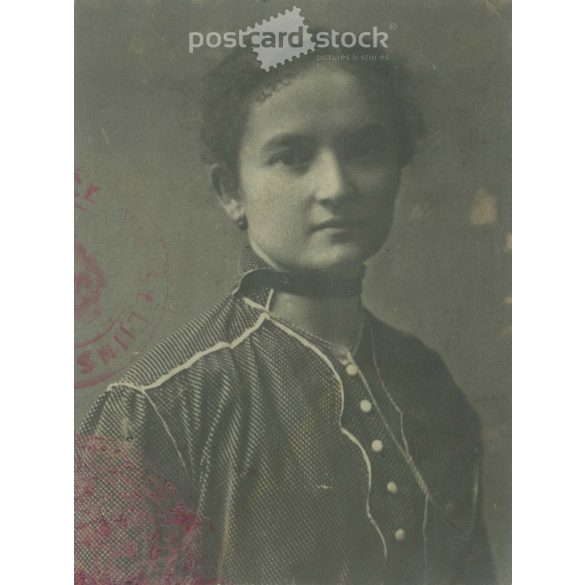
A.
x: 225, y: 183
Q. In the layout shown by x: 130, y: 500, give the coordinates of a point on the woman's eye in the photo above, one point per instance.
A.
x: 293, y: 158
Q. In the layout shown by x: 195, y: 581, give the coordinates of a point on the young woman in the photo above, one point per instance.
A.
x: 287, y: 435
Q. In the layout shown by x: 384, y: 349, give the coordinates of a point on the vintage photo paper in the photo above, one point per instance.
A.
x: 293, y: 292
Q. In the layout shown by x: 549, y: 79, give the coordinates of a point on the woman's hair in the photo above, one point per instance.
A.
x: 237, y: 81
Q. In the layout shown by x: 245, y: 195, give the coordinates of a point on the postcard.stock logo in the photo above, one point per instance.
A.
x: 282, y: 37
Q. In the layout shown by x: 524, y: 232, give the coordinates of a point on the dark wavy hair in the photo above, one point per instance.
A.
x: 233, y: 85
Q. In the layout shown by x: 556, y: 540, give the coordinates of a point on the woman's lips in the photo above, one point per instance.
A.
x: 340, y: 223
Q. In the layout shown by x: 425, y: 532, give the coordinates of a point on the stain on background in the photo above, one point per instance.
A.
x: 151, y: 225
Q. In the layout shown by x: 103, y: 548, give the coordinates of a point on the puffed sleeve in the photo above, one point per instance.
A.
x: 135, y: 520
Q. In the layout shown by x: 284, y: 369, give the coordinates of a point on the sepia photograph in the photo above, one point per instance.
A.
x: 293, y: 292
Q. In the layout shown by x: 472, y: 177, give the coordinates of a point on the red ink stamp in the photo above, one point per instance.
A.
x: 132, y: 526
x: 121, y: 270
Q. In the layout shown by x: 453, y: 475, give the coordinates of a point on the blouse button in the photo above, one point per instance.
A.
x: 365, y: 406
x: 392, y: 487
x: 400, y: 534
x: 352, y: 370
x: 377, y: 446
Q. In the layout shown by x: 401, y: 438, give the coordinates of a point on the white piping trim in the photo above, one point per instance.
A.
x: 344, y: 431
x: 253, y: 304
x: 414, y: 470
x: 166, y: 427
x: 115, y: 385
x: 199, y: 355
x: 405, y: 452
x: 269, y: 300
x: 409, y: 460
x: 242, y: 276
x: 237, y: 287
x: 380, y: 379
x: 356, y: 442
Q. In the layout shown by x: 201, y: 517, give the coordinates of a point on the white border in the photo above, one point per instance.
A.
x: 549, y: 295
x: 549, y: 349
x: 37, y: 292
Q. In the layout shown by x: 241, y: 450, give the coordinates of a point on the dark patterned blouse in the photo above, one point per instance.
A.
x: 246, y: 451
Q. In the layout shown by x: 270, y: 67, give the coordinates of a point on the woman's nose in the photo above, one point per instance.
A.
x: 332, y: 180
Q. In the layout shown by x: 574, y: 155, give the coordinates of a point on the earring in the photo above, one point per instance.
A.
x: 242, y: 223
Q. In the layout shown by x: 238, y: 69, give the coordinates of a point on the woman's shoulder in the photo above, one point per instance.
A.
x: 402, y: 347
x: 188, y: 372
x: 192, y: 370
x: 421, y: 379
x: 191, y: 345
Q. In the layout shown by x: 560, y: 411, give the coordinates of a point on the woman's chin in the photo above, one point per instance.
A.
x: 340, y: 257
x: 348, y: 260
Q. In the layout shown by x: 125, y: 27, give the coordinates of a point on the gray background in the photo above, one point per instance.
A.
x: 445, y: 272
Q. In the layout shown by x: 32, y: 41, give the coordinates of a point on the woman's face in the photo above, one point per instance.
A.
x: 318, y: 173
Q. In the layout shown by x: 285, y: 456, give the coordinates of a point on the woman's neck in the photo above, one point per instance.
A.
x: 337, y: 320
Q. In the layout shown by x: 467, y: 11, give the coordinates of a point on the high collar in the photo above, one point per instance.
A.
x: 250, y: 262
x: 257, y: 275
